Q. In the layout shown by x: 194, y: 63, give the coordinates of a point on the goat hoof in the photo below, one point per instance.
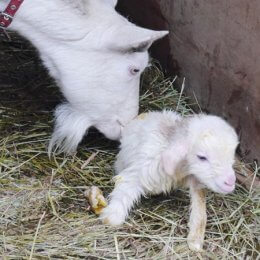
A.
x: 112, y: 216
x: 195, y: 246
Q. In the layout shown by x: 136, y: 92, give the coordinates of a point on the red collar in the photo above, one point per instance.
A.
x: 6, y: 17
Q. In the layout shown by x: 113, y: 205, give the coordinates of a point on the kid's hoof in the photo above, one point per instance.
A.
x: 195, y: 246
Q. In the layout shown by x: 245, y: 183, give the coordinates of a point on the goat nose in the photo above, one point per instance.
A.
x: 231, y: 179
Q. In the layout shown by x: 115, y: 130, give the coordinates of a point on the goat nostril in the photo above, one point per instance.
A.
x: 228, y: 183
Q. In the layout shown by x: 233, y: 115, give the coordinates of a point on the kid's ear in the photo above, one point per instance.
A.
x: 172, y: 156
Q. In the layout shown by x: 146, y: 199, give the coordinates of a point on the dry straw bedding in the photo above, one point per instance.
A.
x: 43, y: 211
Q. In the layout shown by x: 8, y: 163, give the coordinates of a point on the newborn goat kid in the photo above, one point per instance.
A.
x: 165, y: 151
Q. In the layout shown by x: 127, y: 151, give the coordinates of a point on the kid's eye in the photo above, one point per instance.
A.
x: 202, y: 158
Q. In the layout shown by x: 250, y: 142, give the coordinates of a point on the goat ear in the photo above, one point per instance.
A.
x: 133, y: 38
x: 172, y: 156
x: 113, y: 3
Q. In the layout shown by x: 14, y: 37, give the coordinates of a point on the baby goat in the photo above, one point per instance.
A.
x: 164, y: 151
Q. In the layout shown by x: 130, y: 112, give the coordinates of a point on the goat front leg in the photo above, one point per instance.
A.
x: 122, y: 199
x: 198, y: 216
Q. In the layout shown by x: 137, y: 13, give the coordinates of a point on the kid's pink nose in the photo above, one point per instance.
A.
x: 231, y: 179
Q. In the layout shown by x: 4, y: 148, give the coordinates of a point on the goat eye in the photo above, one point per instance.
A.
x: 134, y: 71
x: 202, y: 158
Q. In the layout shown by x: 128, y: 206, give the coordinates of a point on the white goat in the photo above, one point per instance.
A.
x: 165, y: 151
x: 95, y: 55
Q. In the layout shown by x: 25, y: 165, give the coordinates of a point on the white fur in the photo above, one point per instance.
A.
x: 160, y: 152
x: 96, y: 57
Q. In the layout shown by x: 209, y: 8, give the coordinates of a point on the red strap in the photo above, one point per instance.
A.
x: 7, y: 15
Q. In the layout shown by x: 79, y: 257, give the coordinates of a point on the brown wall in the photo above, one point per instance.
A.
x: 216, y: 46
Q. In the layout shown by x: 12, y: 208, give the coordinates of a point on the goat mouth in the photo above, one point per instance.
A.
x: 226, y: 188
x: 120, y: 123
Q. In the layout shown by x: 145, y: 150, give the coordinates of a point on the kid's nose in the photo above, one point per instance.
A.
x: 230, y: 180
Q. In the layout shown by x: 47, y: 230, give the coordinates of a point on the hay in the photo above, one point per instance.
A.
x: 43, y: 210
